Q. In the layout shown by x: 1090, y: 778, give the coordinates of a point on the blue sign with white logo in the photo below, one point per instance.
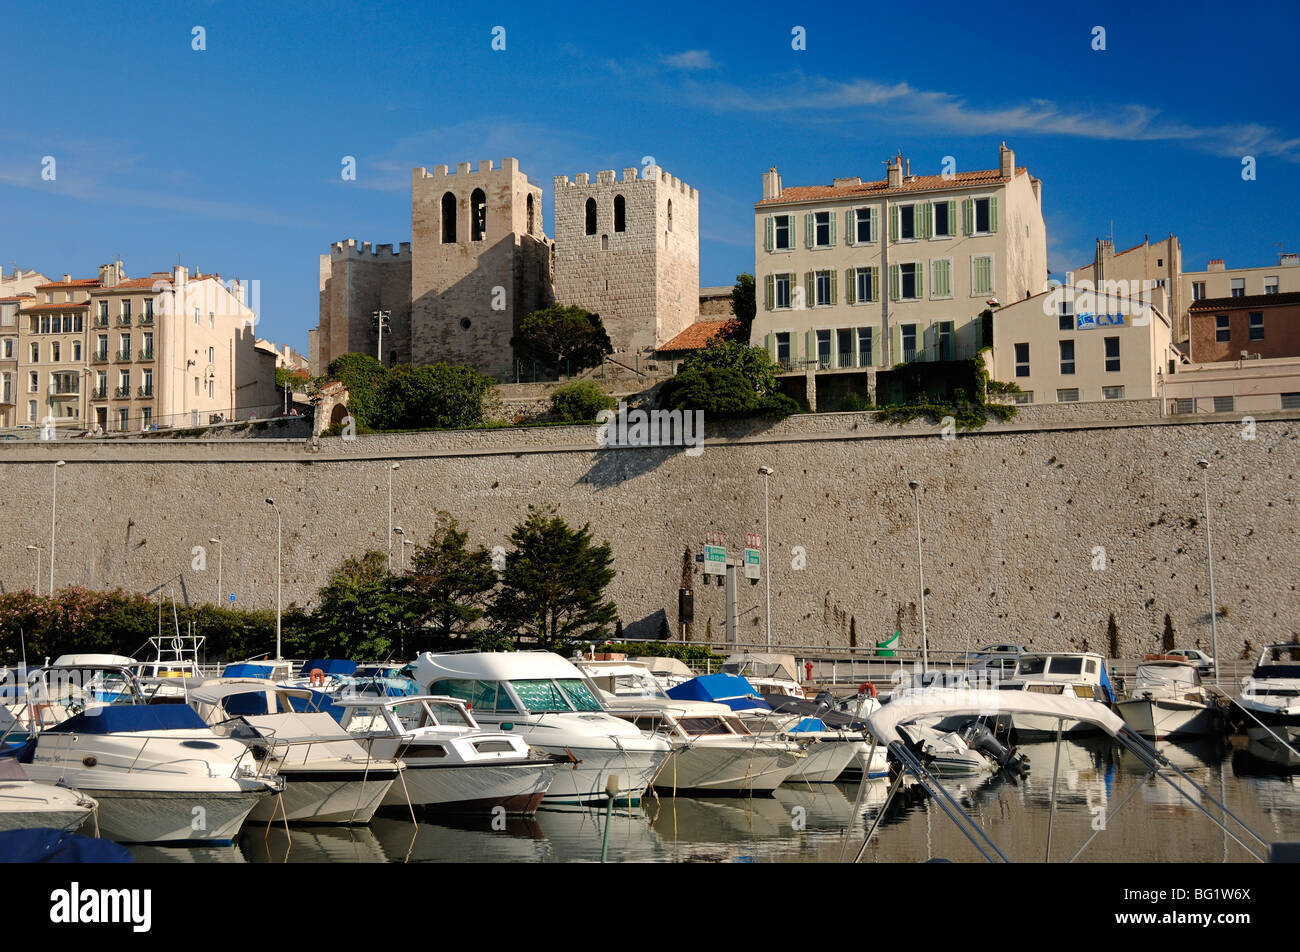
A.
x: 232, y: 598
x: 1089, y: 321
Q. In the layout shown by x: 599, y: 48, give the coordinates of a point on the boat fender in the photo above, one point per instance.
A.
x: 317, y: 677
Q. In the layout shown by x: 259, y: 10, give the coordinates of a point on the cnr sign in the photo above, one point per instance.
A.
x: 1087, y: 320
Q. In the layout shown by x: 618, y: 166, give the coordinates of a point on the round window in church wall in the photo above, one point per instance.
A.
x: 464, y: 323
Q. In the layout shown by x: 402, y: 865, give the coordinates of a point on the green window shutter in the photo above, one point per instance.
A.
x: 875, y: 223
x: 895, y: 281
x: 968, y: 215
x: 952, y: 217
x: 769, y: 342
x: 833, y: 218
x: 808, y: 229
x: 850, y: 286
x: 893, y: 222
x: 810, y: 289
x: 769, y: 292
x: 850, y: 232
x: 993, y: 214
x: 926, y: 224
x: 896, y: 343
x: 833, y: 273
x: 769, y: 241
x: 920, y: 291
x: 875, y: 283
x: 810, y: 345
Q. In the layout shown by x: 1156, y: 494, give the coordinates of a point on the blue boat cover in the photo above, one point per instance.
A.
x: 809, y: 724
x: 127, y: 718
x: 45, y: 845
x: 330, y: 667
x: 1105, y: 685
x: 729, y: 689
x: 254, y: 702
x: 244, y: 669
x: 21, y: 752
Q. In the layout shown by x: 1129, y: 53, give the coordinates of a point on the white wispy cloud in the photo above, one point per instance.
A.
x: 689, y: 60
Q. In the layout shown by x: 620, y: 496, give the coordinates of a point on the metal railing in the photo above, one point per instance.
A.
x: 146, y: 353
x: 124, y: 320
x: 124, y: 356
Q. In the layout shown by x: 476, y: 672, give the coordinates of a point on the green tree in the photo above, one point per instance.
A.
x: 553, y: 587
x: 450, y: 585
x: 722, y: 392
x: 363, y: 610
x: 363, y: 375
x: 442, y: 396
x: 579, y: 401
x: 754, y: 364
x: 563, y: 338
x: 744, y: 306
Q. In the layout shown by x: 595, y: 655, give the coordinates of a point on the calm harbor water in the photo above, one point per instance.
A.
x: 807, y: 824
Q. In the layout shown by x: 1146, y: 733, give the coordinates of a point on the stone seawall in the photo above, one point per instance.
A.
x: 1033, y: 531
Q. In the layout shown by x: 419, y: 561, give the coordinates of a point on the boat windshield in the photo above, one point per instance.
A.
x: 542, y: 696
x: 1031, y: 666
x: 1067, y: 665
x: 703, y: 726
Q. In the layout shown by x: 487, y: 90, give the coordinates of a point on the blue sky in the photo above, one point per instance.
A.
x: 230, y: 157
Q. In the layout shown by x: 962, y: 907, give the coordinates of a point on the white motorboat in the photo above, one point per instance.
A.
x: 328, y: 776
x: 1167, y: 700
x: 1271, y: 697
x: 1059, y: 674
x: 174, y: 668
x: 669, y: 672
x: 549, y: 703
x: 26, y: 804
x: 829, y: 753
x: 766, y: 672
x: 452, y: 764
x: 158, y: 772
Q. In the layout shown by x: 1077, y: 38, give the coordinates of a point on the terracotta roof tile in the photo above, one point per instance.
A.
x: 20, y: 297
x: 75, y: 283
x: 698, y: 335
x: 137, y: 284
x: 66, y: 305
x: 919, y: 183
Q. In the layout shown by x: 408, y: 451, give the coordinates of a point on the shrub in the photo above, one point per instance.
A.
x: 580, y: 401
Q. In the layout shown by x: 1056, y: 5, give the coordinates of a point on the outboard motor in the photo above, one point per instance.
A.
x: 978, y: 737
x: 825, y: 699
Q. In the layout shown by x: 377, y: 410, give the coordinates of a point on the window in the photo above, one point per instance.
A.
x: 34, y: 382
x: 783, y: 343
x: 101, y: 385
x: 148, y: 309
x: 77, y: 324
x: 1112, y: 393
x: 824, y: 286
x: 1065, y: 316
x: 449, y: 219
x: 148, y: 383
x: 782, y: 239
x: 196, y: 386
x: 909, y: 342
x: 212, y: 389
x: 478, y: 215
x: 123, y: 418
x: 1198, y: 290
x: 1223, y: 404
x: 212, y: 355
x: 1185, y: 405
x: 823, y: 349
x: 45, y: 323
x: 1221, y: 332
x: 1291, y: 401
x: 909, y: 279
x: 1112, y: 354
x: 821, y: 229
x: 864, y: 347
x: 31, y: 411
x: 1256, y: 325
x: 1238, y: 287
x: 620, y: 213
x: 103, y: 311
x: 1068, y: 396
x: 123, y: 382
x: 844, y: 340
x: 941, y: 278
x: 124, y: 347
x: 146, y: 416
x: 943, y: 216
x: 126, y: 311
x: 1022, y: 360
x: 1270, y: 285
x: 9, y: 348
x: 76, y: 351
x: 101, y: 347
x: 866, y: 292
x: 148, y: 346
x: 981, y: 275
x: 906, y: 222
x: 36, y: 352
x: 863, y: 233
x: 591, y: 216
x: 54, y: 351
x: 1024, y: 396
x: 196, y: 317
x: 985, y: 216
x: 1067, y: 356
x: 670, y: 214
x: 782, y: 290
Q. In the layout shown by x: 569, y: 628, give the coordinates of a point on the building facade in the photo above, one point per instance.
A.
x: 1251, y: 326
x: 358, y: 282
x: 1134, y: 270
x: 629, y: 250
x: 1219, y: 281
x: 9, y: 344
x: 1241, y: 386
x: 52, y: 357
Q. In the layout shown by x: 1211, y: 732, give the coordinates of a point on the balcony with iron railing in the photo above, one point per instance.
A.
x: 146, y: 318
x: 99, y: 357
x: 122, y: 392
x: 124, y: 356
x: 124, y: 320
x: 146, y: 353
x: 100, y: 320
x: 146, y: 391
x: 99, y: 393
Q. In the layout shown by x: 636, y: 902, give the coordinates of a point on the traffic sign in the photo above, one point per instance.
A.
x: 715, y: 560
x: 753, y: 563
x: 232, y: 598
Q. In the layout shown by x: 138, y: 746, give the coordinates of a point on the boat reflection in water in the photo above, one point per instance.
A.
x: 312, y: 844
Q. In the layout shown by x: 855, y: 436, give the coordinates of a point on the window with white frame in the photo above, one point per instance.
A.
x: 944, y: 213
x: 985, y: 222
x: 823, y: 349
x: 33, y: 382
x: 55, y: 351
x: 844, y: 347
x: 36, y: 352
x: 1198, y: 290
x: 865, y: 285
x: 821, y: 229
x: 76, y: 350
x: 1238, y: 287
x: 783, y: 346
x: 862, y: 230
x: 123, y: 418
x: 1112, y: 393
x: 941, y: 278
x: 906, y: 222
x: 909, y: 342
x: 782, y: 287
x: 1022, y: 359
x: 1270, y: 284
x: 31, y: 411
x: 1069, y: 395
x: 864, y: 347
x: 1067, y: 357
x: 782, y: 232
x: 981, y: 275
x: 823, y: 286
x: 909, y: 277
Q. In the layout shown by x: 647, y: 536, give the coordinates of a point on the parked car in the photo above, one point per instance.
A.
x: 1204, y: 663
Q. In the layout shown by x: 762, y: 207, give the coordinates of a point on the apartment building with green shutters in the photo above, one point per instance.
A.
x: 860, y: 274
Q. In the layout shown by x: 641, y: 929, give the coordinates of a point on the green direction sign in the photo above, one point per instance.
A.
x: 753, y: 563
x: 715, y: 560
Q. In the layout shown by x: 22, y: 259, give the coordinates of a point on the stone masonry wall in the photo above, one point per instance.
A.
x: 1014, y: 520
x: 356, y: 281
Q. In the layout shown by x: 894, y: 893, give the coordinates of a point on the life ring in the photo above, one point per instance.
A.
x: 317, y: 677
x: 35, y: 714
x: 869, y: 689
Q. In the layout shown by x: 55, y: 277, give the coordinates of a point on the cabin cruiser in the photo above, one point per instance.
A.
x: 550, y: 704
x: 452, y: 764
x: 328, y: 776
x: 1167, y: 700
x: 669, y: 672
x: 1059, y: 674
x: 767, y: 673
x: 174, y: 668
x: 1271, y: 697
x: 739, y: 695
x: 158, y: 772
x: 26, y: 804
x: 825, y: 729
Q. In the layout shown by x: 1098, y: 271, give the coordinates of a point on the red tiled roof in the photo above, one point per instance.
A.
x: 1254, y: 300
x: 698, y: 335
x: 137, y: 284
x: 918, y: 183
x: 20, y: 297
x: 75, y: 283
x: 56, y: 307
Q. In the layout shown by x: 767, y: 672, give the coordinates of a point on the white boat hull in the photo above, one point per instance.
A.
x: 185, y: 816
x: 733, y: 768
x: 585, y: 781
x: 468, y: 788
x: 318, y: 795
x: 825, y: 760
x: 1158, y: 718
x: 27, y: 805
x: 1043, y: 726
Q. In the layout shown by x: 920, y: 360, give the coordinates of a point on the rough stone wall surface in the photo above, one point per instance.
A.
x: 358, y: 280
x: 1015, y: 519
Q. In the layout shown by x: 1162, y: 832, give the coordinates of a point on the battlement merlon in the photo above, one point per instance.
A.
x: 510, y: 166
x: 653, y: 174
x: 673, y: 182
x: 351, y: 248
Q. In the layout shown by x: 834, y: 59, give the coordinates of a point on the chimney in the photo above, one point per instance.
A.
x: 847, y: 182
x: 1288, y: 260
x: 772, y: 183
x: 67, y: 278
x: 1105, y: 251
x: 1216, y: 264
x: 907, y: 174
x: 896, y: 172
x: 1006, y: 161
x: 110, y: 275
x: 1037, y: 186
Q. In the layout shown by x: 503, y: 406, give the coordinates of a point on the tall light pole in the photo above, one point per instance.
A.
x: 401, y: 555
x: 217, y: 543
x: 271, y: 503
x: 920, y: 574
x: 1209, y: 567
x: 765, y: 472
x: 391, y: 467
x: 36, y: 582
x: 380, y: 320
x: 54, y: 513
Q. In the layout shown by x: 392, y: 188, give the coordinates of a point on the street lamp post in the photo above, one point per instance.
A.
x: 391, y: 467
x: 401, y: 555
x: 920, y: 574
x: 1209, y: 567
x: 36, y: 582
x: 271, y: 503
x: 217, y: 543
x: 765, y: 472
x: 54, y: 512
